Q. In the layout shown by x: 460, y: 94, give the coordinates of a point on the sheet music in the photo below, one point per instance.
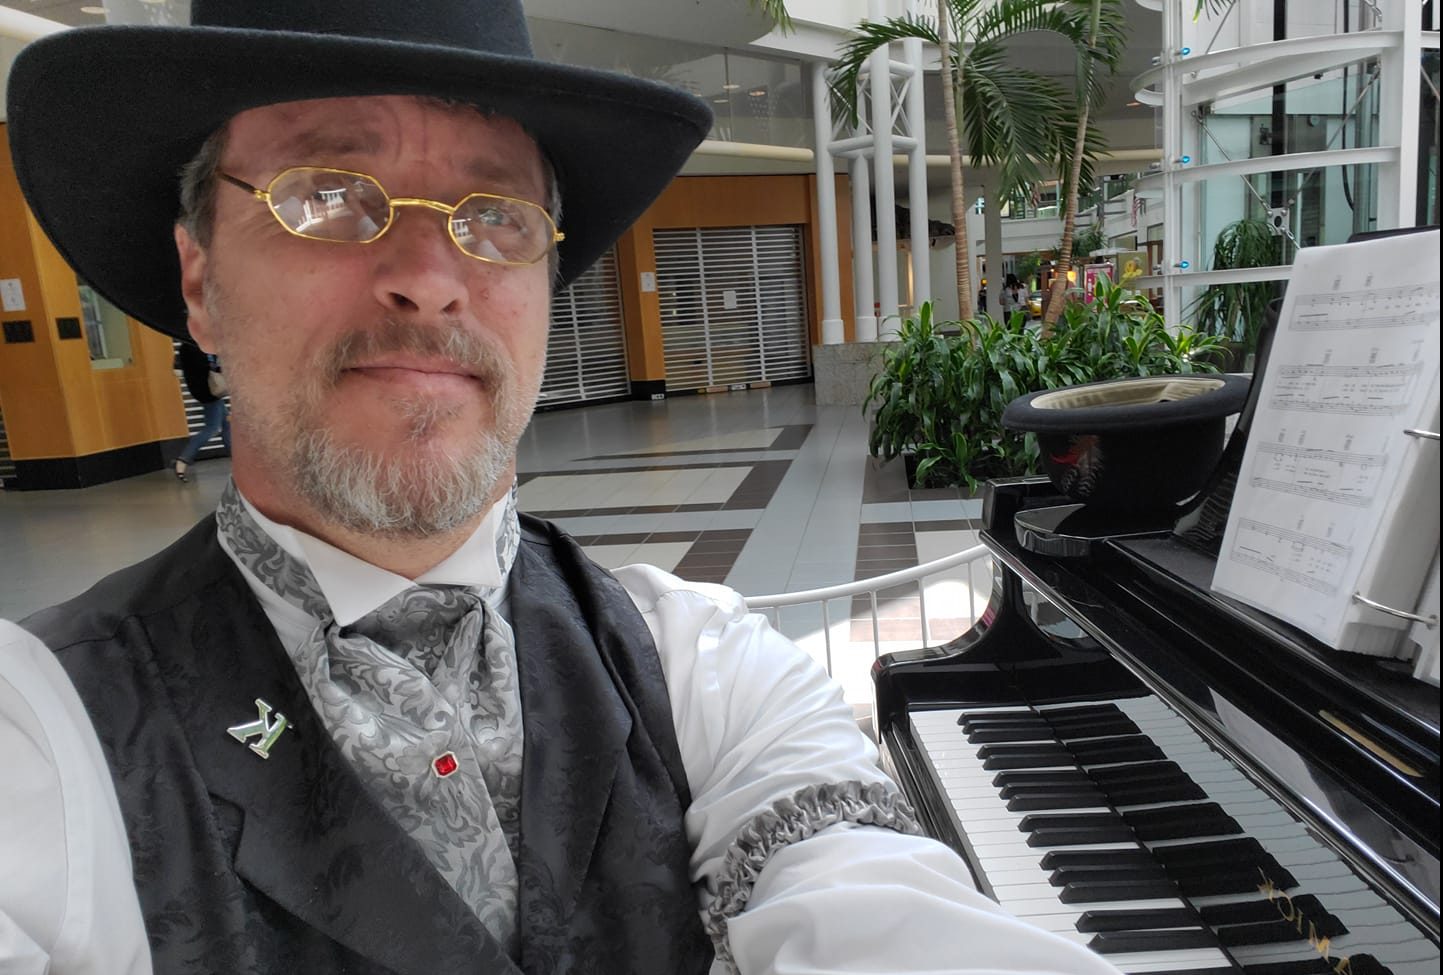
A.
x: 1335, y: 498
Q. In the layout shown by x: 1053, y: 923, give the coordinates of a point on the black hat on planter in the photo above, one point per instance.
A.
x: 101, y: 119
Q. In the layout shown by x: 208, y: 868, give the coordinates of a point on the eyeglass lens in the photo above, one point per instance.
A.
x: 326, y: 204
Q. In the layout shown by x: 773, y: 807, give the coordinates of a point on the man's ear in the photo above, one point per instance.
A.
x: 192, y: 288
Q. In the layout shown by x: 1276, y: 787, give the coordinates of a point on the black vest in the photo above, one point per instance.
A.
x: 286, y: 864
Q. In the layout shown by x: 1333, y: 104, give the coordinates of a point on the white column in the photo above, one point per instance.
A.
x: 992, y: 246
x: 866, y: 327
x: 1400, y: 95
x: 917, y: 174
x: 1172, y: 195
x: 832, y: 325
x: 884, y: 192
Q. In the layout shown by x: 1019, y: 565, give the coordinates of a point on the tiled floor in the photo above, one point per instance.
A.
x: 762, y: 490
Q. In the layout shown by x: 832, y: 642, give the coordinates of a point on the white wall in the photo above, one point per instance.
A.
x: 835, y: 13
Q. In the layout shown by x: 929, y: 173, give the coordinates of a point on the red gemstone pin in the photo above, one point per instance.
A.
x: 445, y: 764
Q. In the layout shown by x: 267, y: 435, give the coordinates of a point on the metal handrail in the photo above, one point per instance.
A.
x: 870, y: 587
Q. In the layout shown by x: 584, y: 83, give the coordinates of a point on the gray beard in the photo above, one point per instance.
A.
x: 410, y: 493
x: 412, y: 496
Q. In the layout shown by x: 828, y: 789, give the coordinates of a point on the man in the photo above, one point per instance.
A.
x: 366, y: 719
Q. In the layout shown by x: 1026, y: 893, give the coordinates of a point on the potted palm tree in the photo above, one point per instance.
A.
x: 1008, y: 112
x: 1235, y: 312
x: 1098, y: 31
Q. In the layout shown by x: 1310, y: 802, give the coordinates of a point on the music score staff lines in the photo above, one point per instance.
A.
x: 1303, y: 559
x: 1376, y: 308
x: 1384, y: 390
x: 1331, y: 475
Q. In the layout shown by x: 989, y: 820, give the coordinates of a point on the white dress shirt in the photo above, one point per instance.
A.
x: 756, y: 720
x: 67, y: 900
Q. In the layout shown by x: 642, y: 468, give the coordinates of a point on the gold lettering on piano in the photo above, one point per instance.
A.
x: 1292, y: 914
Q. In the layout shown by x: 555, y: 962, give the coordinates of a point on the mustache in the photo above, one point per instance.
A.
x: 446, y: 342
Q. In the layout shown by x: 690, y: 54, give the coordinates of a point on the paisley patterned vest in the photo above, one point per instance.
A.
x: 285, y: 864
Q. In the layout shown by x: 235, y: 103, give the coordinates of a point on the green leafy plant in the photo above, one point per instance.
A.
x: 911, y: 390
x: 942, y: 397
x: 1236, y: 311
x: 1027, y: 267
x: 1088, y: 240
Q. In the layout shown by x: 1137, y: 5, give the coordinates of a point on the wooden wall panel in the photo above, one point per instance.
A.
x: 56, y: 404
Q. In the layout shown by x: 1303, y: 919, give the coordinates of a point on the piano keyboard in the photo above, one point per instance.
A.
x: 1116, y: 825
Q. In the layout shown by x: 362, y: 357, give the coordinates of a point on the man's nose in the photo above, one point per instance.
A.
x: 419, y: 269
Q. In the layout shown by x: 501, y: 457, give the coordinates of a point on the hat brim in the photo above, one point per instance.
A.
x: 102, y: 119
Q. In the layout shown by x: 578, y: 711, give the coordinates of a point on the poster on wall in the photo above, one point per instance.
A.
x: 1090, y: 275
x: 1129, y: 266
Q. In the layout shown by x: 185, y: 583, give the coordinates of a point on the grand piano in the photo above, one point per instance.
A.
x: 1182, y: 783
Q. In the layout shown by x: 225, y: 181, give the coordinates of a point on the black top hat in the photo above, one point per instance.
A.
x: 102, y: 119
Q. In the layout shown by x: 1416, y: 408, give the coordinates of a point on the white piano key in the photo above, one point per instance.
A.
x: 1158, y: 961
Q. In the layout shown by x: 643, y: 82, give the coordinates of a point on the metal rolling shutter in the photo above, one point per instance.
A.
x: 733, y: 306
x: 195, y: 417
x: 7, y: 466
x: 586, y: 350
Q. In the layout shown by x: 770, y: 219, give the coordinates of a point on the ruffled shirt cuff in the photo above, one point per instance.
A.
x: 791, y: 820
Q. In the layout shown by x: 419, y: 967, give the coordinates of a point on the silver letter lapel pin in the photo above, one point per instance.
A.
x: 268, y: 730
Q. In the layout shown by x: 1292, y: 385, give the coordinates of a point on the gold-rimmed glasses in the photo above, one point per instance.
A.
x: 341, y: 206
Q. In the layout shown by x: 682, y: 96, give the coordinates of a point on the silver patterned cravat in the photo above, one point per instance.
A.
x: 421, y: 697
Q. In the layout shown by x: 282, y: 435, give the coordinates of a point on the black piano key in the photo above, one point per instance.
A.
x: 1103, y: 720
x: 1055, y: 820
x: 1182, y: 790
x: 1010, y: 733
x: 996, y: 720
x: 1316, y: 965
x: 1058, y: 859
x: 1112, y: 775
x: 1256, y: 911
x: 1022, y: 760
x: 1118, y: 942
x: 1141, y: 920
x: 1060, y: 776
x: 1085, y: 732
x: 1109, y: 751
x: 1278, y: 931
x: 1030, y: 748
x: 1057, y: 717
x: 1242, y: 850
x: 1359, y: 964
x: 1182, y: 829
x: 1091, y: 891
x: 1043, y: 838
x: 1084, y: 789
x: 1181, y: 822
x: 1211, y: 884
x: 1226, y: 875
x: 1056, y: 800
x: 1081, y: 711
x: 1077, y: 875
x: 1019, y: 715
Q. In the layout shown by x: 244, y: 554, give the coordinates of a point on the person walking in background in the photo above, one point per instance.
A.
x: 1011, y: 295
x: 207, y: 387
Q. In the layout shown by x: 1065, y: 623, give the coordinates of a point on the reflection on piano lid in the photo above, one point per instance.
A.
x: 1177, y: 782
